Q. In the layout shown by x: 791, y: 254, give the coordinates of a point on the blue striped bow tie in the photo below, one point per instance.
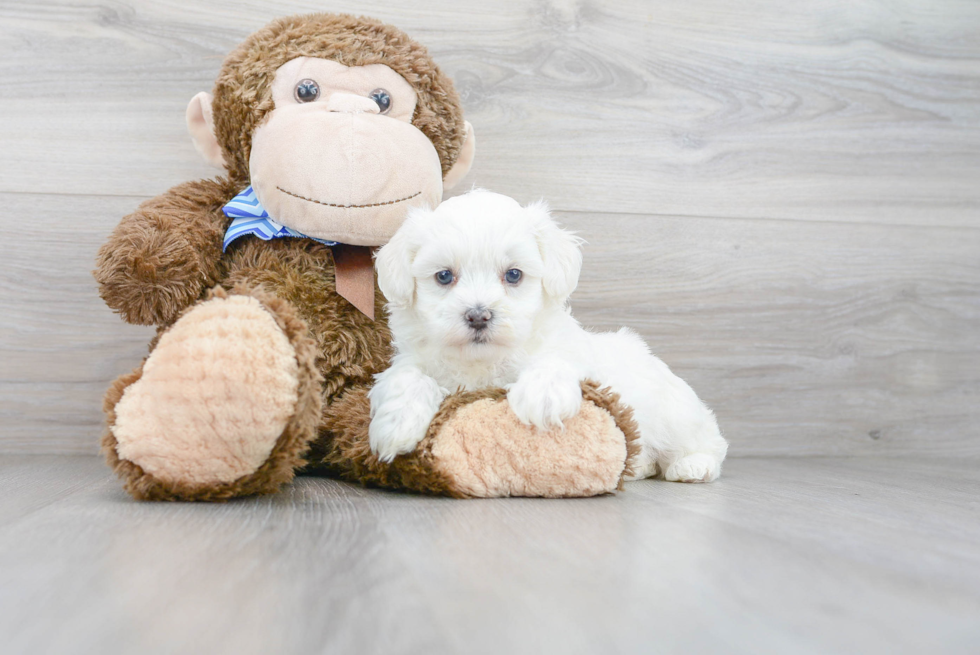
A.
x: 250, y: 217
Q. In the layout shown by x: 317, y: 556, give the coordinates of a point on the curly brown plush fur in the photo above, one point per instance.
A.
x: 166, y: 254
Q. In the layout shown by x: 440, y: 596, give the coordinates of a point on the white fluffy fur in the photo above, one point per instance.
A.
x: 532, y: 346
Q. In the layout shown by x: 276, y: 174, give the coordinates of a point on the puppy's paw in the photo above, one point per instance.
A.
x: 402, y: 406
x: 698, y: 467
x: 544, y: 398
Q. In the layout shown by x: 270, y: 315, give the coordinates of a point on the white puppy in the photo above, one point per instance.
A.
x: 477, y: 293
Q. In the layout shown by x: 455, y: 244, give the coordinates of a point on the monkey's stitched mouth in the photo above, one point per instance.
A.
x: 333, y: 204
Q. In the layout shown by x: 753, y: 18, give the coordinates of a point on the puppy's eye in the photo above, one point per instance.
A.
x: 306, y: 91
x: 445, y: 277
x: 513, y: 276
x: 383, y: 98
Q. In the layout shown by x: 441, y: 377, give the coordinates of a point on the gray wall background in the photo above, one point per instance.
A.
x: 783, y: 198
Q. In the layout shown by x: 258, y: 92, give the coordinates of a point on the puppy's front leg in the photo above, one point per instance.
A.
x: 546, y: 393
x: 403, y: 402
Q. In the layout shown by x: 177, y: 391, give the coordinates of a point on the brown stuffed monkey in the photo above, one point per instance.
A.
x: 270, y: 324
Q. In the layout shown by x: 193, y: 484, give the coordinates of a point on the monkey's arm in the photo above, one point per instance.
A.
x: 160, y: 258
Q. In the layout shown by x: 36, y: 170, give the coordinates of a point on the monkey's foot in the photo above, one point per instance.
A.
x: 224, y: 406
x: 476, y: 447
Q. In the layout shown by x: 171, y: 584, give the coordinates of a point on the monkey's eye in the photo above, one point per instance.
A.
x: 513, y: 276
x: 445, y: 278
x: 383, y: 99
x: 306, y: 91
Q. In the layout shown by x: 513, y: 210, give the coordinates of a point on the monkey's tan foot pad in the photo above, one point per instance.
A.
x: 476, y: 447
x: 203, y: 417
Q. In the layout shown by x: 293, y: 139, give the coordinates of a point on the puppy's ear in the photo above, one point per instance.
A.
x: 560, y: 251
x: 394, y: 260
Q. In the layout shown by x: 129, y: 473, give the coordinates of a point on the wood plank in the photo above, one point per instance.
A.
x: 858, y: 508
x: 59, y: 344
x: 806, y: 338
x: 31, y: 483
x: 843, y: 111
x: 781, y: 555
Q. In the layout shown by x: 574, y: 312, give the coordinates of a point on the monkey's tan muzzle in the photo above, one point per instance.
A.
x: 342, y: 175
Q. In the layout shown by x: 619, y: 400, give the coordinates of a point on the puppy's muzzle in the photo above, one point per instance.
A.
x: 478, y: 318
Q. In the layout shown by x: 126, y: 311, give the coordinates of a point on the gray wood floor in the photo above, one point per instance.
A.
x: 816, y: 555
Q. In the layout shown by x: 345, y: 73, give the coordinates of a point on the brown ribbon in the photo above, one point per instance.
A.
x: 354, y: 272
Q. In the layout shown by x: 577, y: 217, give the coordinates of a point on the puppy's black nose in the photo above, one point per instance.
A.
x: 478, y: 317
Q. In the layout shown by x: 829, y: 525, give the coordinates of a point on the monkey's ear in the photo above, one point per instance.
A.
x: 463, y: 162
x: 200, y: 123
x: 394, y: 261
x: 561, y: 253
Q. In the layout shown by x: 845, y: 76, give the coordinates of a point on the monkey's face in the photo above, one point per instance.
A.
x: 337, y: 151
x: 338, y: 158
